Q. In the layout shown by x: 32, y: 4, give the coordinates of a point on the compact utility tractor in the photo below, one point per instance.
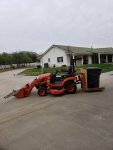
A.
x: 60, y: 84
x: 49, y: 83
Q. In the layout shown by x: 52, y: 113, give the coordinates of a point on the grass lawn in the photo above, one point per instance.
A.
x: 37, y: 71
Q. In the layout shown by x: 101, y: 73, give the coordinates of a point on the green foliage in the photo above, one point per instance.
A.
x: 5, y: 59
x: 19, y: 58
x: 39, y: 66
x: 104, y: 67
x: 32, y: 72
x: 64, y: 66
x: 33, y: 56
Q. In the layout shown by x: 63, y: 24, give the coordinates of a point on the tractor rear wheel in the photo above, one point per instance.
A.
x: 70, y: 87
x: 42, y: 91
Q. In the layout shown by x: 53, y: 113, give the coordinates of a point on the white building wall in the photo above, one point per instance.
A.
x: 68, y: 60
x: 53, y: 54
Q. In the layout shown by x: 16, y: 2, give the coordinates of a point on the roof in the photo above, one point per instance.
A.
x: 107, y: 50
x: 76, y: 50
x: 86, y: 50
x: 82, y: 50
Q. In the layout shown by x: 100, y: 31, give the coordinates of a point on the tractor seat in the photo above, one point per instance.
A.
x: 69, y: 73
x: 53, y: 78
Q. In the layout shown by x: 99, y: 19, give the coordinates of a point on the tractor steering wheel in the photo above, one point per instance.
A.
x: 53, y: 77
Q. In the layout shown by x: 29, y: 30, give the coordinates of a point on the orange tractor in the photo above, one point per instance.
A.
x: 59, y: 84
x: 49, y: 83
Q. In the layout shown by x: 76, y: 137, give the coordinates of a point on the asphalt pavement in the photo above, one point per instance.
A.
x: 80, y: 121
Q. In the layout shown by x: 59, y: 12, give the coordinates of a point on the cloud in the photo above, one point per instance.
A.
x: 37, y: 24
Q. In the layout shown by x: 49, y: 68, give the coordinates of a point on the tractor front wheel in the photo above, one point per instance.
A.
x: 42, y: 91
x: 70, y: 87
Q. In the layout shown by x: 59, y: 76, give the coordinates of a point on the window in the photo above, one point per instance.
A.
x: 85, y: 59
x: 48, y: 59
x: 59, y: 59
x: 109, y: 58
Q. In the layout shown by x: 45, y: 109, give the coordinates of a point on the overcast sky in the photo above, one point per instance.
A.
x: 35, y: 25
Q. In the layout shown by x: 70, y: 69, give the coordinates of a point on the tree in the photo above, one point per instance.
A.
x: 19, y: 58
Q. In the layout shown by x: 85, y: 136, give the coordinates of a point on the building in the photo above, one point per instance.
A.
x: 58, y: 55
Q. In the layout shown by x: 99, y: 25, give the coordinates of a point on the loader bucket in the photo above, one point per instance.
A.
x: 21, y: 93
x: 17, y: 93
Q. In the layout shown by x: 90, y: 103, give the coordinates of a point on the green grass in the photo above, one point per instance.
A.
x: 104, y: 67
x: 37, y: 71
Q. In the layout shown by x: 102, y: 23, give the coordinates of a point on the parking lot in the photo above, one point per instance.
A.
x: 80, y: 121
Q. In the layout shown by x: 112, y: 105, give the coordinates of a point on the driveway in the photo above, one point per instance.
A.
x: 81, y: 121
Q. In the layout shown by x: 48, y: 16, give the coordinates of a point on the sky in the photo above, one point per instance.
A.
x: 35, y: 25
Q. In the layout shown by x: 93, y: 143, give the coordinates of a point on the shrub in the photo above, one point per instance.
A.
x: 38, y: 66
x: 64, y: 66
x: 54, y: 66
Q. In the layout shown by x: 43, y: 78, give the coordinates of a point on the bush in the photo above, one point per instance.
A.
x: 38, y: 66
x: 64, y: 66
x: 54, y: 66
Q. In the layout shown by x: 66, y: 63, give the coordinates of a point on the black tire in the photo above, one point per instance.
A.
x: 70, y: 87
x: 42, y: 91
